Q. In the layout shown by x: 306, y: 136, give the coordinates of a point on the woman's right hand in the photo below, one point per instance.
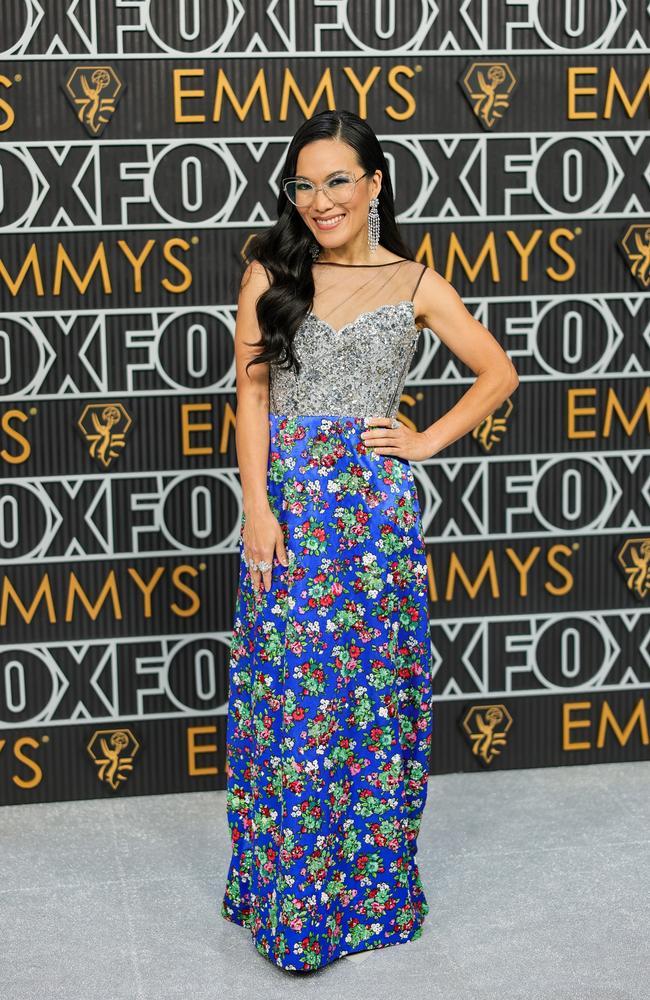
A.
x: 262, y: 535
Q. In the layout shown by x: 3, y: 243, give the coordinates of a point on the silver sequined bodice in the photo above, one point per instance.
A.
x: 357, y: 369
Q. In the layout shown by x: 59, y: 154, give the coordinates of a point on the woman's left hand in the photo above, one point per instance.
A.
x: 384, y: 439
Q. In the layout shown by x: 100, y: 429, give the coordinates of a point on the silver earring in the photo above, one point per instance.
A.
x: 373, y: 225
x: 314, y: 250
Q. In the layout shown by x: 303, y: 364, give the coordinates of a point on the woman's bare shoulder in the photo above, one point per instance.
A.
x: 256, y: 276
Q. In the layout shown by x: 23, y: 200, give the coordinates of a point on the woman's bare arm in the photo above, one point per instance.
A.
x: 262, y: 533
x: 443, y: 311
x: 252, y: 423
x: 438, y: 306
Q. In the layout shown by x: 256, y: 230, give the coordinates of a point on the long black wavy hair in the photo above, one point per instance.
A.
x: 285, y: 249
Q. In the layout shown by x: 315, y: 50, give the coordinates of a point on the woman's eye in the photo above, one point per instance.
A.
x: 339, y: 180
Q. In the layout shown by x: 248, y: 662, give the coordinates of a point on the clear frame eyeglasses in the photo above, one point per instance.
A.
x: 339, y: 188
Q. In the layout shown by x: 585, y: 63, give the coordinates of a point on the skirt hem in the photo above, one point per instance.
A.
x: 414, y: 934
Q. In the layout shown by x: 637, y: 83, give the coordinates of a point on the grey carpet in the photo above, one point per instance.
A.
x: 538, y: 882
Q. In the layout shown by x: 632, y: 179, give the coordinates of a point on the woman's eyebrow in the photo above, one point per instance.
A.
x: 303, y: 177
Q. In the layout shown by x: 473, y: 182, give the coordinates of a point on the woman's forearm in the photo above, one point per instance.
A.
x: 252, y: 440
x: 485, y: 394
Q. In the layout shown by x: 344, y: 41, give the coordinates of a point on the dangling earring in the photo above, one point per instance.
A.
x: 373, y: 225
x: 314, y: 250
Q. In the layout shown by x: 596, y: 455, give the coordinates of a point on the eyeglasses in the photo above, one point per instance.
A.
x: 338, y: 188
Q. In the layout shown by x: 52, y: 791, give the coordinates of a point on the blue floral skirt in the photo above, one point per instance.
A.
x: 329, y: 714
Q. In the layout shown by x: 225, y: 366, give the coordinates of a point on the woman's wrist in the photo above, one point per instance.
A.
x: 256, y: 505
x: 432, y: 437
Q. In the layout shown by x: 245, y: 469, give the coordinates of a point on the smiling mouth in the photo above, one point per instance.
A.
x: 329, y: 222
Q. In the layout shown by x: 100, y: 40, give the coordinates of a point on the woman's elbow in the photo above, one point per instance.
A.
x: 511, y: 377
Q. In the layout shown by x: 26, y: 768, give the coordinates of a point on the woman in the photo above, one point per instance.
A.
x: 330, y: 715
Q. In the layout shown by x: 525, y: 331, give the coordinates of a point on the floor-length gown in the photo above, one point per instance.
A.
x: 329, y: 713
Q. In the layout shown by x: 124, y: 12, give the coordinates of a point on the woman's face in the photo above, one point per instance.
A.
x: 316, y: 162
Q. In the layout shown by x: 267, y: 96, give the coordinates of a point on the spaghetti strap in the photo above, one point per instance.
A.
x: 420, y: 276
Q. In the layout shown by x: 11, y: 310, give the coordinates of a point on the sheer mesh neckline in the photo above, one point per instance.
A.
x: 338, y: 263
x: 343, y: 299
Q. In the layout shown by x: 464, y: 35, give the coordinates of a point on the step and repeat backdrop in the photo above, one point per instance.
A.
x: 141, y: 146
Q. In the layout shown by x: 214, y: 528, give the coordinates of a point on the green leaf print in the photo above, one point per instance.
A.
x: 311, y: 533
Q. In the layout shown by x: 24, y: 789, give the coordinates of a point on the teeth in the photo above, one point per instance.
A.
x: 329, y: 222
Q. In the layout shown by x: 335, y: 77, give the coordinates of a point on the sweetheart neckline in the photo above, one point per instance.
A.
x: 362, y: 315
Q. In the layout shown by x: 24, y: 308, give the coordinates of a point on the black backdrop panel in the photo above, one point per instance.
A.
x: 140, y: 148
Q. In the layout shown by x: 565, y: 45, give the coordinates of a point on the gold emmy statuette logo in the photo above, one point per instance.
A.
x: 486, y: 727
x: 488, y: 87
x: 492, y: 428
x: 93, y: 92
x: 113, y: 751
x: 633, y: 558
x: 104, y: 426
x: 635, y: 247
